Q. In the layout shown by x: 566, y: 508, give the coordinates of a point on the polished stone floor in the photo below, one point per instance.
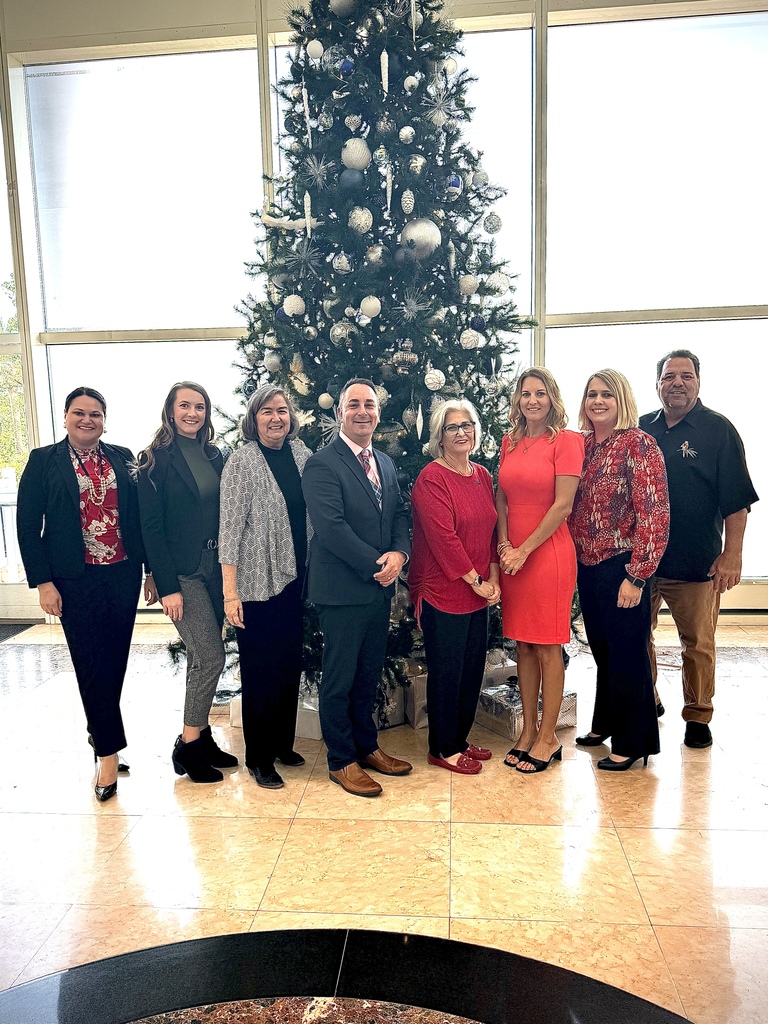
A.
x: 654, y: 881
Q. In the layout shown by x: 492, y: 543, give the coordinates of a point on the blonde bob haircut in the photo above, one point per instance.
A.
x: 437, y: 422
x: 556, y: 417
x: 618, y: 384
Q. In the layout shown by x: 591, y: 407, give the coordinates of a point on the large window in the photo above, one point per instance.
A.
x: 657, y: 160
x: 145, y: 172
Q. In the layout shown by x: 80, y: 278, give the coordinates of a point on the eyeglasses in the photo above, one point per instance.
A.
x: 454, y: 428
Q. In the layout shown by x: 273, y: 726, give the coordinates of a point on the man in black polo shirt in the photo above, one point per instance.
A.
x: 709, y: 490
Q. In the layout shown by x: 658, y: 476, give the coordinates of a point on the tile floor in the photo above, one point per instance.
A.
x: 655, y: 881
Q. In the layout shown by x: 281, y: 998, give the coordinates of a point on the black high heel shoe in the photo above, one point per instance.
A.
x: 122, y: 765
x: 592, y: 741
x: 104, y: 793
x: 621, y: 766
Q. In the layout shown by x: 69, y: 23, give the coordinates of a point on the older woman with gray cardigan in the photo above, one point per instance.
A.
x: 263, y: 539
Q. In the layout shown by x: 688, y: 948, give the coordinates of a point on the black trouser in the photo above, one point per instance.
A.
x: 455, y: 648
x: 625, y: 707
x: 270, y: 646
x: 98, y: 610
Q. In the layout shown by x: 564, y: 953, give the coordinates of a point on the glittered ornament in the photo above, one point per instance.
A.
x: 405, y: 358
x: 492, y: 223
x: 381, y: 156
x: 370, y: 306
x: 315, y: 49
x: 497, y: 283
x: 325, y: 401
x: 480, y: 178
x: 341, y: 332
x: 434, y: 379
x: 325, y: 120
x: 409, y: 417
x: 421, y: 236
x: 332, y: 58
x: 301, y: 383
x: 477, y: 323
x: 382, y: 394
x: 296, y: 148
x: 411, y: 84
x: 294, y: 305
x: 469, y: 339
x: 453, y: 186
x: 385, y: 125
x: 272, y: 362
x: 407, y: 134
x: 489, y: 447
x: 353, y: 122
x: 351, y: 178
x: 355, y: 154
x: 342, y: 264
x: 270, y: 340
x: 341, y: 8
x: 378, y: 256
x: 407, y: 201
x: 297, y: 363
x: 468, y: 284
x: 360, y: 219
x: 417, y: 163
x: 296, y: 92
x: 310, y: 333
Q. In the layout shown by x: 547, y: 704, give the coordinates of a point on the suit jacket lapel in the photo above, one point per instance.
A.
x: 351, y: 460
x: 179, y: 463
x: 64, y: 462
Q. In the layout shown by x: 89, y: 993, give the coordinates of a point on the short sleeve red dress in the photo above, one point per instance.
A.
x: 536, y: 601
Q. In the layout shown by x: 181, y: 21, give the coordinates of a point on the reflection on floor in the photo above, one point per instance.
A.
x: 655, y: 881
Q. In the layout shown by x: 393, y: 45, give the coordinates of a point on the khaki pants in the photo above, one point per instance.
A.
x: 694, y: 608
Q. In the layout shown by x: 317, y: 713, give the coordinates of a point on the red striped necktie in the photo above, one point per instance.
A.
x: 366, y: 461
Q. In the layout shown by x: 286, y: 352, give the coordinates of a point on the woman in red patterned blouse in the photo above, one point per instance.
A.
x: 620, y: 526
x: 453, y: 579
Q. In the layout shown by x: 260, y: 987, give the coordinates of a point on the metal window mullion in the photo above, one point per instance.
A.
x: 539, y: 248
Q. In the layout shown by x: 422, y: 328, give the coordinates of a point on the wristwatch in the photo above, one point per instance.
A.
x: 636, y: 581
x: 478, y: 581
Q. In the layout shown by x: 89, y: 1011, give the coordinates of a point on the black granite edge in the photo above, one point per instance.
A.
x: 487, y: 985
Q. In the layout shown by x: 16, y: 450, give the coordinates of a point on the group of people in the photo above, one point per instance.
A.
x: 635, y: 515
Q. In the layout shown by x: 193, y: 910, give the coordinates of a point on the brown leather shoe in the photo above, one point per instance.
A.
x: 386, y: 764
x: 355, y: 781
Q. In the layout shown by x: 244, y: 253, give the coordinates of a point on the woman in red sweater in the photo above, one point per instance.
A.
x: 454, y: 578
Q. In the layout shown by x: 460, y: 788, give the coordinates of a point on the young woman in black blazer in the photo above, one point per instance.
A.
x: 179, y: 475
x: 80, y: 541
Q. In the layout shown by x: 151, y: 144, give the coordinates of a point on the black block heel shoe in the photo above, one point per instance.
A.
x: 591, y: 741
x: 192, y: 759
x: 538, y: 764
x: 621, y: 766
x: 217, y: 757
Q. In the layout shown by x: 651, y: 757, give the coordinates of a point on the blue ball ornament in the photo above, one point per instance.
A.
x: 281, y: 315
x: 453, y: 186
x: 351, y: 178
x: 347, y: 67
x: 477, y: 323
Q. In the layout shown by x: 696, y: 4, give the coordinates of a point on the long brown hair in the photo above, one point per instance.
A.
x: 556, y: 417
x: 166, y: 433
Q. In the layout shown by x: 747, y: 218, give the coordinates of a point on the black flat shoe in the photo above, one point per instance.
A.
x: 660, y: 709
x: 538, y: 766
x: 292, y: 759
x: 608, y: 765
x: 591, y: 741
x: 192, y: 759
x: 269, y: 780
x: 217, y: 757
x: 514, y: 752
x: 697, y: 735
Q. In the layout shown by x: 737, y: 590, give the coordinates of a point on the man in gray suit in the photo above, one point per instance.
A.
x: 361, y: 542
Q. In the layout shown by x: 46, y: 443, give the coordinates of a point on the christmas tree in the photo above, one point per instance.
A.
x: 378, y: 247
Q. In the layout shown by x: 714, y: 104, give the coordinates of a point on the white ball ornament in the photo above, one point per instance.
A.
x: 272, y: 362
x: 315, y: 49
x: 370, y: 306
x: 294, y: 305
x: 325, y: 401
x: 407, y: 134
x: 434, y: 379
x: 480, y: 178
x: 498, y: 283
x: 360, y: 219
x: 411, y: 84
x: 355, y: 154
x: 492, y: 223
x: 342, y: 263
x: 469, y: 339
x: 421, y: 236
x: 468, y: 285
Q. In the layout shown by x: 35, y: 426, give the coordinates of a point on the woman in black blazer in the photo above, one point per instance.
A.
x: 179, y: 474
x: 80, y: 541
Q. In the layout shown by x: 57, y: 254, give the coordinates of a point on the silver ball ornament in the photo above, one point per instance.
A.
x: 468, y: 285
x: 272, y: 362
x: 411, y: 84
x: 498, y: 283
x: 360, y: 219
x: 492, y: 223
x: 341, y: 8
x: 480, y: 178
x: 342, y: 263
x: 378, y: 256
x: 370, y: 306
x: 421, y: 236
x: 315, y: 49
x: 355, y: 154
x: 469, y: 339
x: 325, y: 401
x: 310, y: 333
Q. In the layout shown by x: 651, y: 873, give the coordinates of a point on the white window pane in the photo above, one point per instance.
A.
x: 657, y: 157
x: 146, y: 172
x: 501, y: 128
x: 575, y: 353
x: 135, y: 379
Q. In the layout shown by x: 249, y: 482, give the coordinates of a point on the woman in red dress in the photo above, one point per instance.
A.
x: 538, y: 475
x: 620, y: 525
x: 453, y: 579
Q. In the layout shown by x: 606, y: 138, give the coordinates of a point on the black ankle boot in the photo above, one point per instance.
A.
x: 192, y: 759
x: 216, y: 756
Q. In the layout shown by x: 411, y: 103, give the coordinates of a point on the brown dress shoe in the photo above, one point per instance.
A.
x: 386, y: 764
x: 355, y: 781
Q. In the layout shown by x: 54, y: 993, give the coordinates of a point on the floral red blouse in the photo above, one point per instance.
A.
x: 622, y: 503
x: 99, y: 516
